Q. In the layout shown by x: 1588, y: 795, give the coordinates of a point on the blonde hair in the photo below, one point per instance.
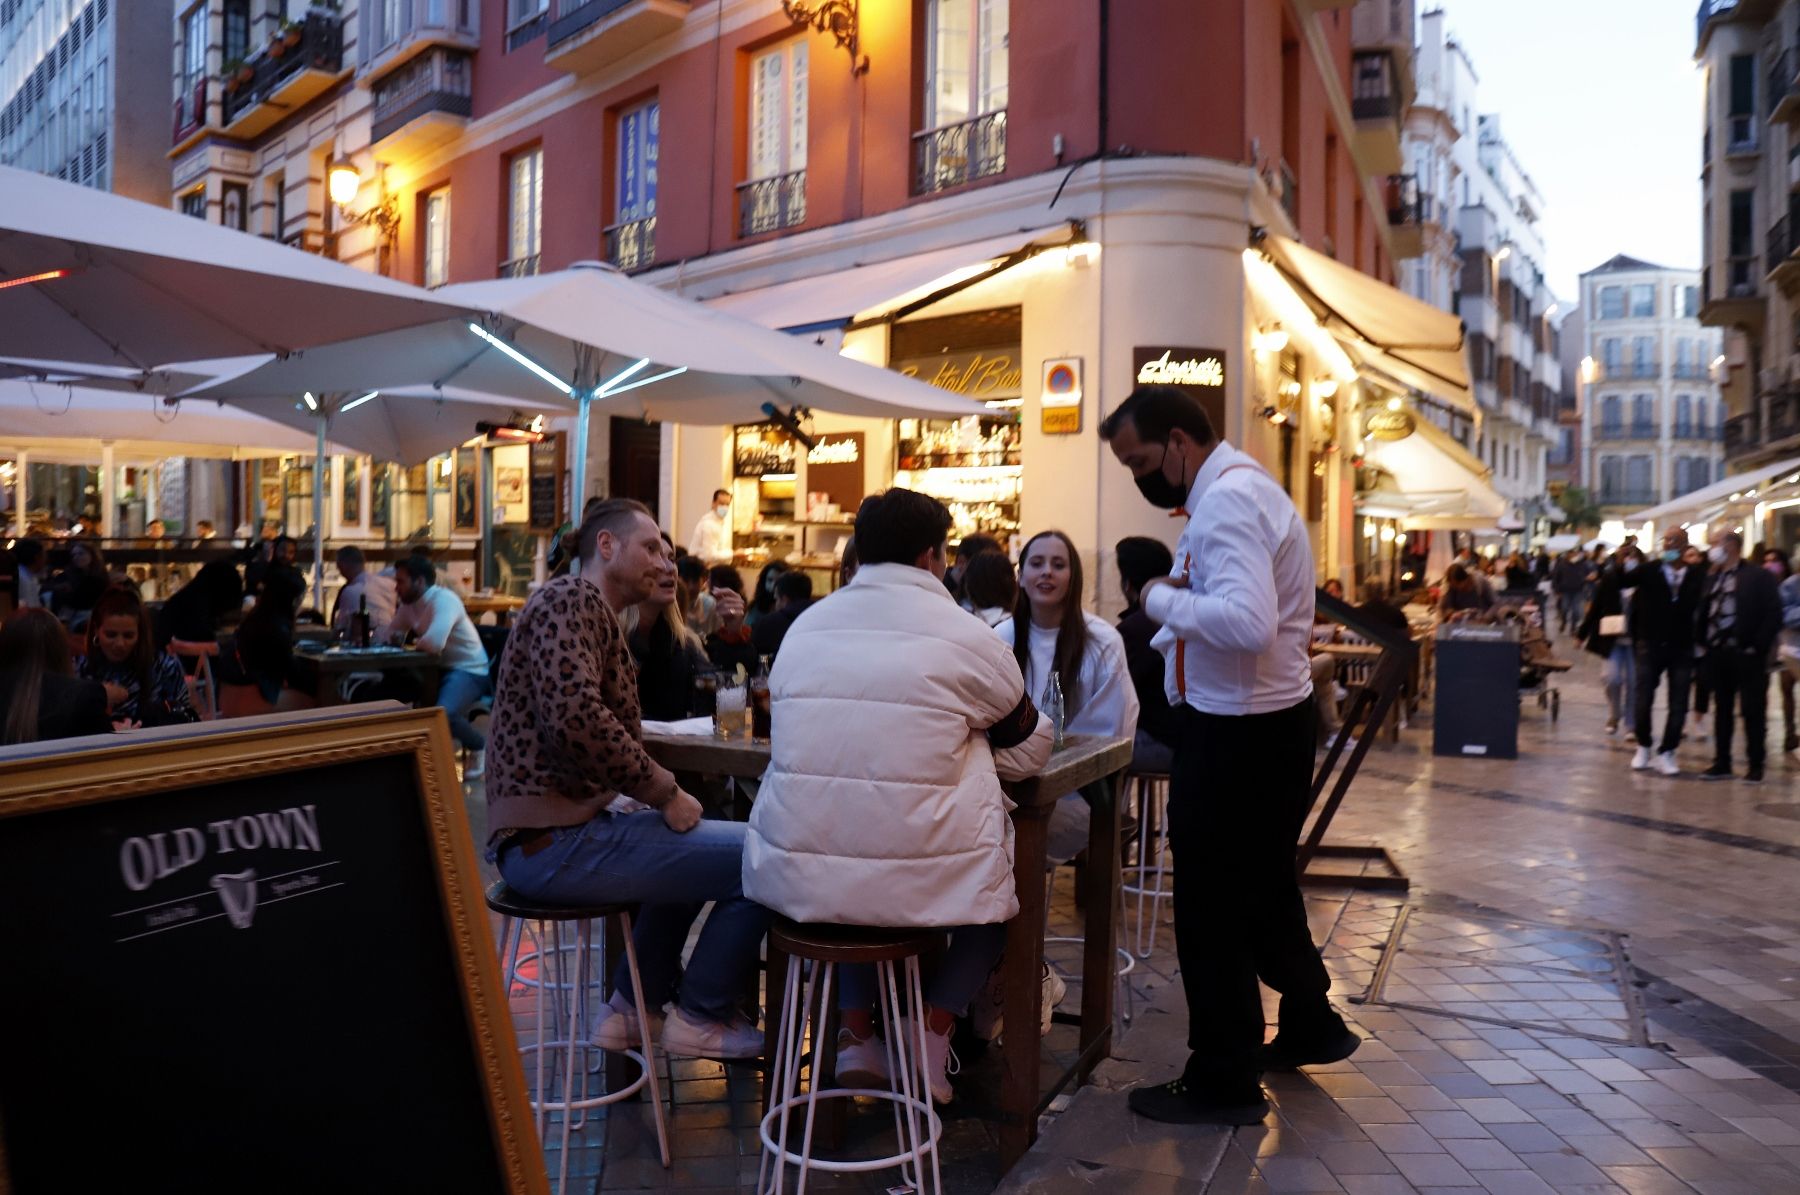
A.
x: 684, y: 635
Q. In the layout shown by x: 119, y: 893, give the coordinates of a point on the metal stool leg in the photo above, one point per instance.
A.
x: 637, y: 995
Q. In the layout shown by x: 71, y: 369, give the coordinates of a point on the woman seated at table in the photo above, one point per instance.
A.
x: 730, y: 645
x: 697, y: 605
x: 262, y: 652
x: 41, y: 698
x: 667, y: 651
x: 195, y: 611
x: 74, y: 589
x: 1052, y: 636
x: 144, y: 687
x: 991, y: 587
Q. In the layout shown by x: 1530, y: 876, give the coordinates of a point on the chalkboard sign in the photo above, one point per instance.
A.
x: 264, y: 949
x: 547, y: 483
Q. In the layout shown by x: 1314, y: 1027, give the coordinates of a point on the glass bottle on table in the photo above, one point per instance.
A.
x: 760, y: 710
x: 1051, y: 706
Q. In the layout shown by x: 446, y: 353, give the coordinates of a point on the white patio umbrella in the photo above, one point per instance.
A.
x: 87, y: 276
x: 405, y: 426
x: 593, y: 336
x: 33, y: 412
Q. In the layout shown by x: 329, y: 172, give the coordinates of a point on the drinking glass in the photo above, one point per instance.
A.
x: 731, y: 714
x: 706, y: 694
x: 759, y: 709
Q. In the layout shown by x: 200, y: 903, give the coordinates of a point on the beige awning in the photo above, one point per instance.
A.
x: 834, y: 299
x: 1437, y: 484
x: 1385, y: 330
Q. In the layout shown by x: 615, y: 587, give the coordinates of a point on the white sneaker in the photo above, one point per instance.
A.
x: 1665, y: 763
x: 1641, y: 761
x: 1054, y: 991
x: 940, y: 1060
x: 622, y: 1029
x: 477, y: 765
x: 689, y: 1037
x: 862, y: 1062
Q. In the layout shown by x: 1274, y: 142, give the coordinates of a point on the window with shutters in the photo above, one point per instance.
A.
x: 774, y: 195
x: 631, y: 238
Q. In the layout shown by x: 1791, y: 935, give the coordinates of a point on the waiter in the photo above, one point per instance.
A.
x: 1234, y: 619
x: 711, y: 541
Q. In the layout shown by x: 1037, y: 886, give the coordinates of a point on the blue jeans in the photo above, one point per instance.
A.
x: 973, y: 951
x: 1569, y: 608
x: 457, y: 691
x: 1618, y: 672
x: 634, y: 858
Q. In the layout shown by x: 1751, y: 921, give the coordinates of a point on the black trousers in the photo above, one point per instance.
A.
x: 1743, y: 676
x: 1653, y: 660
x: 1238, y: 793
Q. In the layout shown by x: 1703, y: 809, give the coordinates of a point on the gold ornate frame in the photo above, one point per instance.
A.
x: 280, y: 743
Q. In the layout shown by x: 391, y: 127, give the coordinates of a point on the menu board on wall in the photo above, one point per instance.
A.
x: 546, y: 488
x: 834, y: 467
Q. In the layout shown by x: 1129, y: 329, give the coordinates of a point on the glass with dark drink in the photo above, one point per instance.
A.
x: 759, y: 709
x: 706, y: 694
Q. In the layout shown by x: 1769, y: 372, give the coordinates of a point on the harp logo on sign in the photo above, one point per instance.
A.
x: 259, y: 849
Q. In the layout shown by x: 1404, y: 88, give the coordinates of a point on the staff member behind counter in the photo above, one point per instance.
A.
x: 711, y: 541
x: 1236, y: 618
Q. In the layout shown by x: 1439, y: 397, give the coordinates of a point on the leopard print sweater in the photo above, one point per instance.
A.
x: 566, y: 730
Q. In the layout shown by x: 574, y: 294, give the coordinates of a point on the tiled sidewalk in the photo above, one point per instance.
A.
x: 1594, y: 985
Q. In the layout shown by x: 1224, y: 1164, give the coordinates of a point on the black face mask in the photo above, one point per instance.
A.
x: 1158, y: 490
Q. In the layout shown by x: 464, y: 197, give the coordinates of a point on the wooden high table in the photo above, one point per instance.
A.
x: 322, y: 669
x: 1084, y: 761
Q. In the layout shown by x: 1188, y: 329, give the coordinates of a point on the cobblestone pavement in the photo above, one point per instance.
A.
x: 1592, y: 986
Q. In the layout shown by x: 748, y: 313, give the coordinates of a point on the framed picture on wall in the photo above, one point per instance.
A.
x: 271, y: 497
x: 378, y: 496
x: 509, y: 486
x: 465, y: 508
x: 350, y: 502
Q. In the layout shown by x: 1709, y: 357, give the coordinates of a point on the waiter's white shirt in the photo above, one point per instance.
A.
x: 1246, y: 615
x: 711, y: 540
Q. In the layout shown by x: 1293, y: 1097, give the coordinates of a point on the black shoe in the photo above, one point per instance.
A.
x: 1754, y: 775
x: 1719, y: 771
x: 1288, y: 1052
x: 1178, y: 1103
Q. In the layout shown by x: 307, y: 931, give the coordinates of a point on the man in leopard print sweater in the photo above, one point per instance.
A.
x: 581, y: 815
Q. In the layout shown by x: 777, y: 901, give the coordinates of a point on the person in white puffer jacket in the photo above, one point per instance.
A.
x: 895, y: 718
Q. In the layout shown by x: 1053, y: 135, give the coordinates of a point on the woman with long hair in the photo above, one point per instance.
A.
x: 763, y: 602
x: 667, y: 651
x: 41, y: 698
x: 991, y: 587
x: 1053, y: 637
x: 194, y: 611
x: 143, y: 685
x: 75, y: 588
x: 1612, y: 599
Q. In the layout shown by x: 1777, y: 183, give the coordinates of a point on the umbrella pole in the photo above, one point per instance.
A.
x: 319, y: 518
x: 578, y: 468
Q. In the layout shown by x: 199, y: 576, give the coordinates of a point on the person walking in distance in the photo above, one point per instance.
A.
x: 1235, y: 621
x: 1739, y: 621
x: 1665, y: 604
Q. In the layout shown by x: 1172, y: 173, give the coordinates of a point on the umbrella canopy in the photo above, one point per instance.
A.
x: 404, y: 426
x: 63, y: 417
x: 612, y: 345
x: 86, y: 276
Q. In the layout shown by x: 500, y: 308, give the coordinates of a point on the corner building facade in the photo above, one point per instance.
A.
x: 988, y: 195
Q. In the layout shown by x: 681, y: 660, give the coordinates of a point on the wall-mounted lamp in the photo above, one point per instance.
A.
x: 1325, y: 387
x: 1270, y: 340
x: 1504, y: 253
x: 836, y: 17
x: 343, y: 181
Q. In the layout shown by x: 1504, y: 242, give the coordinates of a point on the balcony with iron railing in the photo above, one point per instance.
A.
x: 771, y: 204
x: 1378, y: 108
x: 959, y: 153
x: 589, y: 35
x: 1637, y: 496
x: 1406, y: 223
x: 424, y: 103
x: 392, y: 33
x: 1784, y: 86
x: 296, y: 66
x: 519, y: 267
x: 631, y: 244
x: 1690, y: 371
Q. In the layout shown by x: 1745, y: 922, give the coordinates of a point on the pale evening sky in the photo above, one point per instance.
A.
x: 1600, y: 100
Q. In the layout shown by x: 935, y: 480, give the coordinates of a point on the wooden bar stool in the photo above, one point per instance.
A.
x: 571, y: 1030
x: 895, y: 953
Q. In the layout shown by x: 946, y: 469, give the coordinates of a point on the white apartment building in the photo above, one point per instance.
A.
x: 1481, y: 255
x: 82, y: 93
x: 1652, y: 418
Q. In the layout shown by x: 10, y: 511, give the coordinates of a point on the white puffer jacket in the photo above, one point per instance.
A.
x: 882, y: 802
